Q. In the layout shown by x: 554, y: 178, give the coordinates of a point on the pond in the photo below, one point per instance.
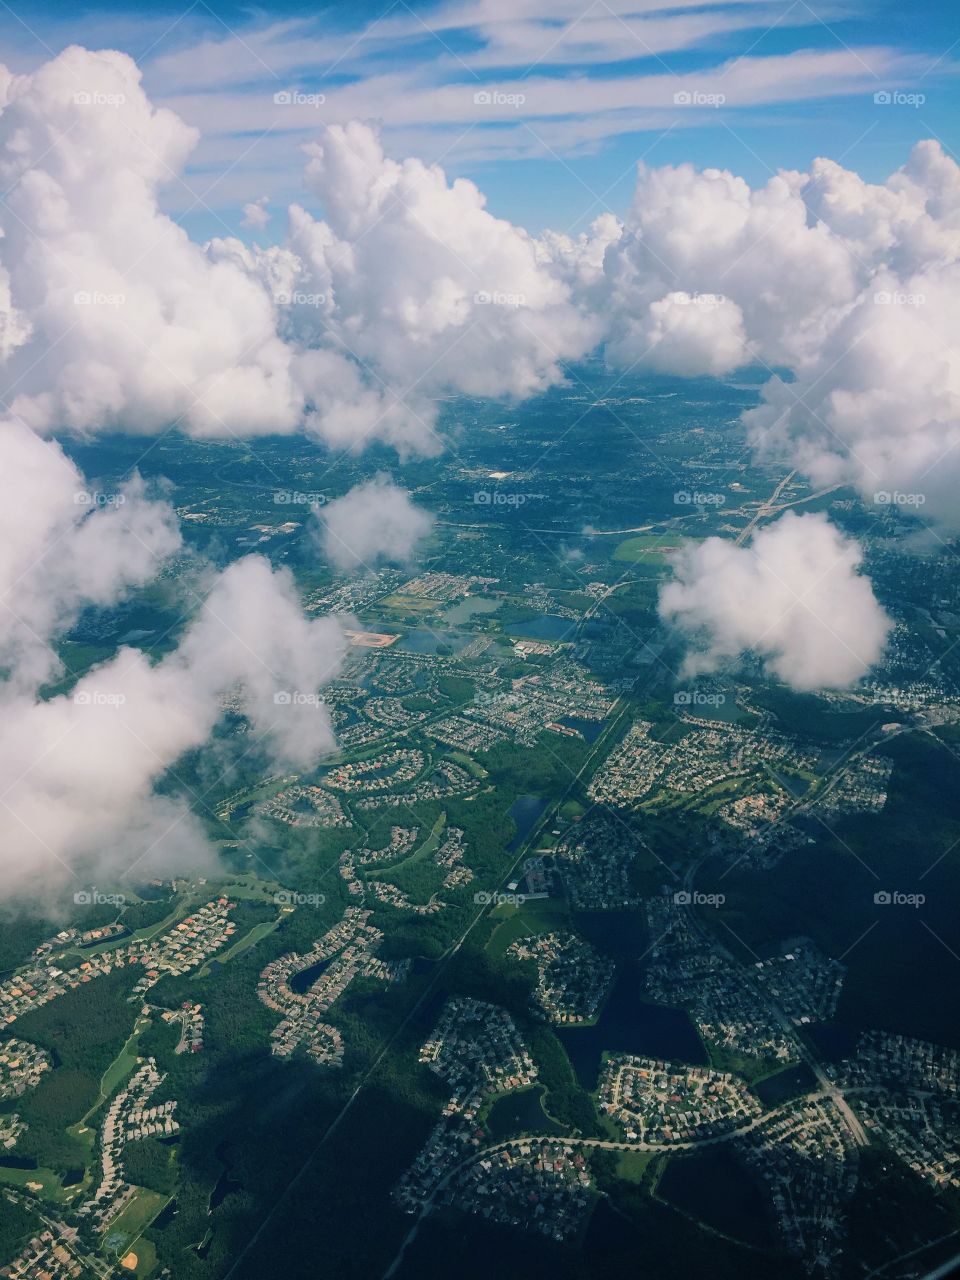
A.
x: 520, y: 1112
x: 591, y: 729
x: 714, y: 1187
x: 630, y: 1024
x: 524, y: 811
x: 304, y: 980
x: 832, y: 1040
x: 423, y: 640
x: 471, y: 607
x: 792, y: 1082
x: 547, y: 626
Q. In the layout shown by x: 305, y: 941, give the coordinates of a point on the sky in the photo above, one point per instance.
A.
x: 572, y: 93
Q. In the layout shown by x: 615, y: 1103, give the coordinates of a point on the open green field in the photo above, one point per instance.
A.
x: 544, y: 915
x: 146, y: 1255
x: 118, y: 1070
x: 648, y: 548
x: 409, y: 604
x: 50, y: 1185
x: 248, y: 940
x: 133, y: 1218
x: 632, y: 1165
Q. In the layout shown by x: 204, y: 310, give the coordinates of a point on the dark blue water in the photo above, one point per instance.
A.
x: 520, y: 1113
x: 548, y: 626
x: 423, y: 640
x: 525, y: 811
x: 629, y: 1024
x: 591, y: 729
x: 792, y: 1082
x: 832, y: 1041
x: 304, y: 980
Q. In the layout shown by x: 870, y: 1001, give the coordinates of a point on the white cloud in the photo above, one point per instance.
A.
x: 372, y: 523
x: 793, y: 596
x: 80, y: 769
x: 256, y: 214
x: 133, y: 327
x: 63, y: 546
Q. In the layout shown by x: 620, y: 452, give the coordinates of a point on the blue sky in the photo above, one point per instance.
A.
x: 579, y: 91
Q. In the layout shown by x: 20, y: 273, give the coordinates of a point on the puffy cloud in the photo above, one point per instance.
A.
x: 422, y: 284
x: 132, y: 326
x: 80, y: 769
x: 879, y: 405
x: 63, y: 547
x: 255, y: 214
x: 372, y: 523
x: 111, y: 318
x: 765, y: 275
x: 793, y: 596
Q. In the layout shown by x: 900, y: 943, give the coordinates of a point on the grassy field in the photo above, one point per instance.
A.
x: 540, y: 916
x: 244, y: 944
x: 410, y: 604
x: 51, y: 1188
x: 647, y: 548
x: 118, y: 1070
x: 632, y: 1165
x: 137, y: 1214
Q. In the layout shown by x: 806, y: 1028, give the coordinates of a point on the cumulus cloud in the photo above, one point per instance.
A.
x: 413, y: 277
x: 852, y: 285
x: 131, y: 325
x: 64, y: 546
x: 372, y: 523
x: 793, y: 597
x: 80, y: 769
x: 111, y: 318
x: 255, y: 214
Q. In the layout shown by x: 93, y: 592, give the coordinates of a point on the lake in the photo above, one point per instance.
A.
x: 520, y: 1112
x: 525, y: 811
x: 304, y: 980
x: 591, y: 729
x: 471, y: 607
x: 423, y: 640
x: 792, y: 1082
x: 630, y: 1024
x: 548, y: 626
